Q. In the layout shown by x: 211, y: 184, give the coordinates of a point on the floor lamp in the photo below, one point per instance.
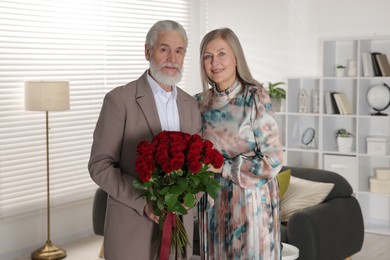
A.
x: 47, y: 96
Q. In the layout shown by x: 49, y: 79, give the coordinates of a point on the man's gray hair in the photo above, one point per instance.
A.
x: 164, y: 26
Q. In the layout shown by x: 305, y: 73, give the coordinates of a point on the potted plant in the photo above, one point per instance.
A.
x: 277, y: 94
x: 340, y: 70
x: 344, y: 140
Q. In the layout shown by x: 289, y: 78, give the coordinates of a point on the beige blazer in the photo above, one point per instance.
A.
x: 129, y: 115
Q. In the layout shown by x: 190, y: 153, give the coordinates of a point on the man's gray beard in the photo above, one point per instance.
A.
x: 159, y: 76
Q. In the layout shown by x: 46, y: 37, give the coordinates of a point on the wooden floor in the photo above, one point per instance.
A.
x: 375, y: 247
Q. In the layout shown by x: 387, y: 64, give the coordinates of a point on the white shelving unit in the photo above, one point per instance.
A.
x: 356, y: 166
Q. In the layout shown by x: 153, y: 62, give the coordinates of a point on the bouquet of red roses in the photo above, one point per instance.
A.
x: 172, y: 169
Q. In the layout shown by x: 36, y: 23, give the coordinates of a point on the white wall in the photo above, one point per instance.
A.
x: 281, y: 38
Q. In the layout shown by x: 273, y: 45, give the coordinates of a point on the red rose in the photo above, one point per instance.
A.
x: 207, y: 156
x: 178, y: 135
x: 207, y: 145
x: 193, y: 155
x: 196, y: 144
x: 161, y: 156
x: 144, y: 148
x: 162, y: 137
x: 177, y: 147
x: 194, y: 166
x: 142, y: 167
x: 166, y: 166
x: 217, y: 159
x: 177, y: 161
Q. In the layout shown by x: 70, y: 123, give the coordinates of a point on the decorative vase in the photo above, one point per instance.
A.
x: 345, y: 144
x: 276, y: 104
x: 351, y: 68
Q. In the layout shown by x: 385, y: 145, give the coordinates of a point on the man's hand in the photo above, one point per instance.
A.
x: 149, y: 212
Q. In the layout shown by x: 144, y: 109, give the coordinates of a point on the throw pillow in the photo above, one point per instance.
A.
x: 302, y: 194
x: 283, y: 180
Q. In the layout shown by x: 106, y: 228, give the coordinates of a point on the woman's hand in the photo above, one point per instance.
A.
x: 215, y: 170
x: 149, y: 212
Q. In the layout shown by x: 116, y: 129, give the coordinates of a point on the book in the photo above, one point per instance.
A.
x: 368, y: 70
x: 383, y: 64
x: 343, y: 103
x: 375, y: 65
x: 334, y: 103
x: 328, y: 103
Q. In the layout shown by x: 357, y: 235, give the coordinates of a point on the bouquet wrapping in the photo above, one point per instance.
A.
x: 172, y: 169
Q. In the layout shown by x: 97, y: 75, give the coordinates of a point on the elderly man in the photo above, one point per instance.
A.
x: 138, y: 111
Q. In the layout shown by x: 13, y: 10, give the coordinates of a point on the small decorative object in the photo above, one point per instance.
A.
x: 378, y: 97
x: 276, y: 94
x: 171, y: 170
x: 379, y: 145
x: 344, y: 140
x: 308, y: 140
x: 351, y: 68
x: 303, y: 101
x: 315, y: 101
x: 340, y: 70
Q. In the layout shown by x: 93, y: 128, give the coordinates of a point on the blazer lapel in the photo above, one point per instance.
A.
x: 146, y: 101
x: 184, y: 111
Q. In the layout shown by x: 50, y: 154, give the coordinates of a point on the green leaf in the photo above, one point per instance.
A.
x: 138, y: 184
x: 179, y: 209
x: 170, y: 200
x: 194, y: 179
x: 276, y: 92
x: 160, y: 204
x: 212, y: 190
x: 183, y: 183
x: 189, y: 200
x: 164, y: 190
x: 158, y: 212
x: 175, y: 190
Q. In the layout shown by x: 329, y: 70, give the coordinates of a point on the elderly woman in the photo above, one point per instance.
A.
x: 243, y: 221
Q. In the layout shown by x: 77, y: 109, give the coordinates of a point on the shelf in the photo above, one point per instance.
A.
x: 375, y: 208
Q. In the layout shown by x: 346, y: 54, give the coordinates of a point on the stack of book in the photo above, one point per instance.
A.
x: 337, y: 103
x: 381, y: 182
x: 375, y: 64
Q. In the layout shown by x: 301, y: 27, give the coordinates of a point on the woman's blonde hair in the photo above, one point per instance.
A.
x: 242, y: 70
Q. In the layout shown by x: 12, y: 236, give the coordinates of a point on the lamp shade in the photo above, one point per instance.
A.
x: 46, y: 95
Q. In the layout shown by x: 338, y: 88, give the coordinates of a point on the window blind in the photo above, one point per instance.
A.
x: 96, y: 45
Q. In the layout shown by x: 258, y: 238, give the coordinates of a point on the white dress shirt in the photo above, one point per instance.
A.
x: 166, y: 106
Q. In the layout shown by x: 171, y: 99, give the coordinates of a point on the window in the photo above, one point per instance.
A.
x: 96, y: 45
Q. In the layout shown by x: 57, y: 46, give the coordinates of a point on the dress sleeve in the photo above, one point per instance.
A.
x: 254, y: 171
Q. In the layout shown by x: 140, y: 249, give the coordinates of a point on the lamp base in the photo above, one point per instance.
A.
x: 48, y: 252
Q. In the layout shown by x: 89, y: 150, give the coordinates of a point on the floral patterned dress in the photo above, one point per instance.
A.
x: 243, y: 220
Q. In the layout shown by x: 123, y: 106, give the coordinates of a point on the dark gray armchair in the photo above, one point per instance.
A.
x: 331, y: 230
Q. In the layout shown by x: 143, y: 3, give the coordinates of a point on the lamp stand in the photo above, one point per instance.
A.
x: 48, y: 251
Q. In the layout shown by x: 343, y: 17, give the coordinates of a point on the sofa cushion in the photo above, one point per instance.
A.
x: 341, y: 189
x: 283, y: 180
x: 302, y: 194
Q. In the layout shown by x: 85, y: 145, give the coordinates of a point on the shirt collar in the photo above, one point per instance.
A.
x: 157, y: 89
